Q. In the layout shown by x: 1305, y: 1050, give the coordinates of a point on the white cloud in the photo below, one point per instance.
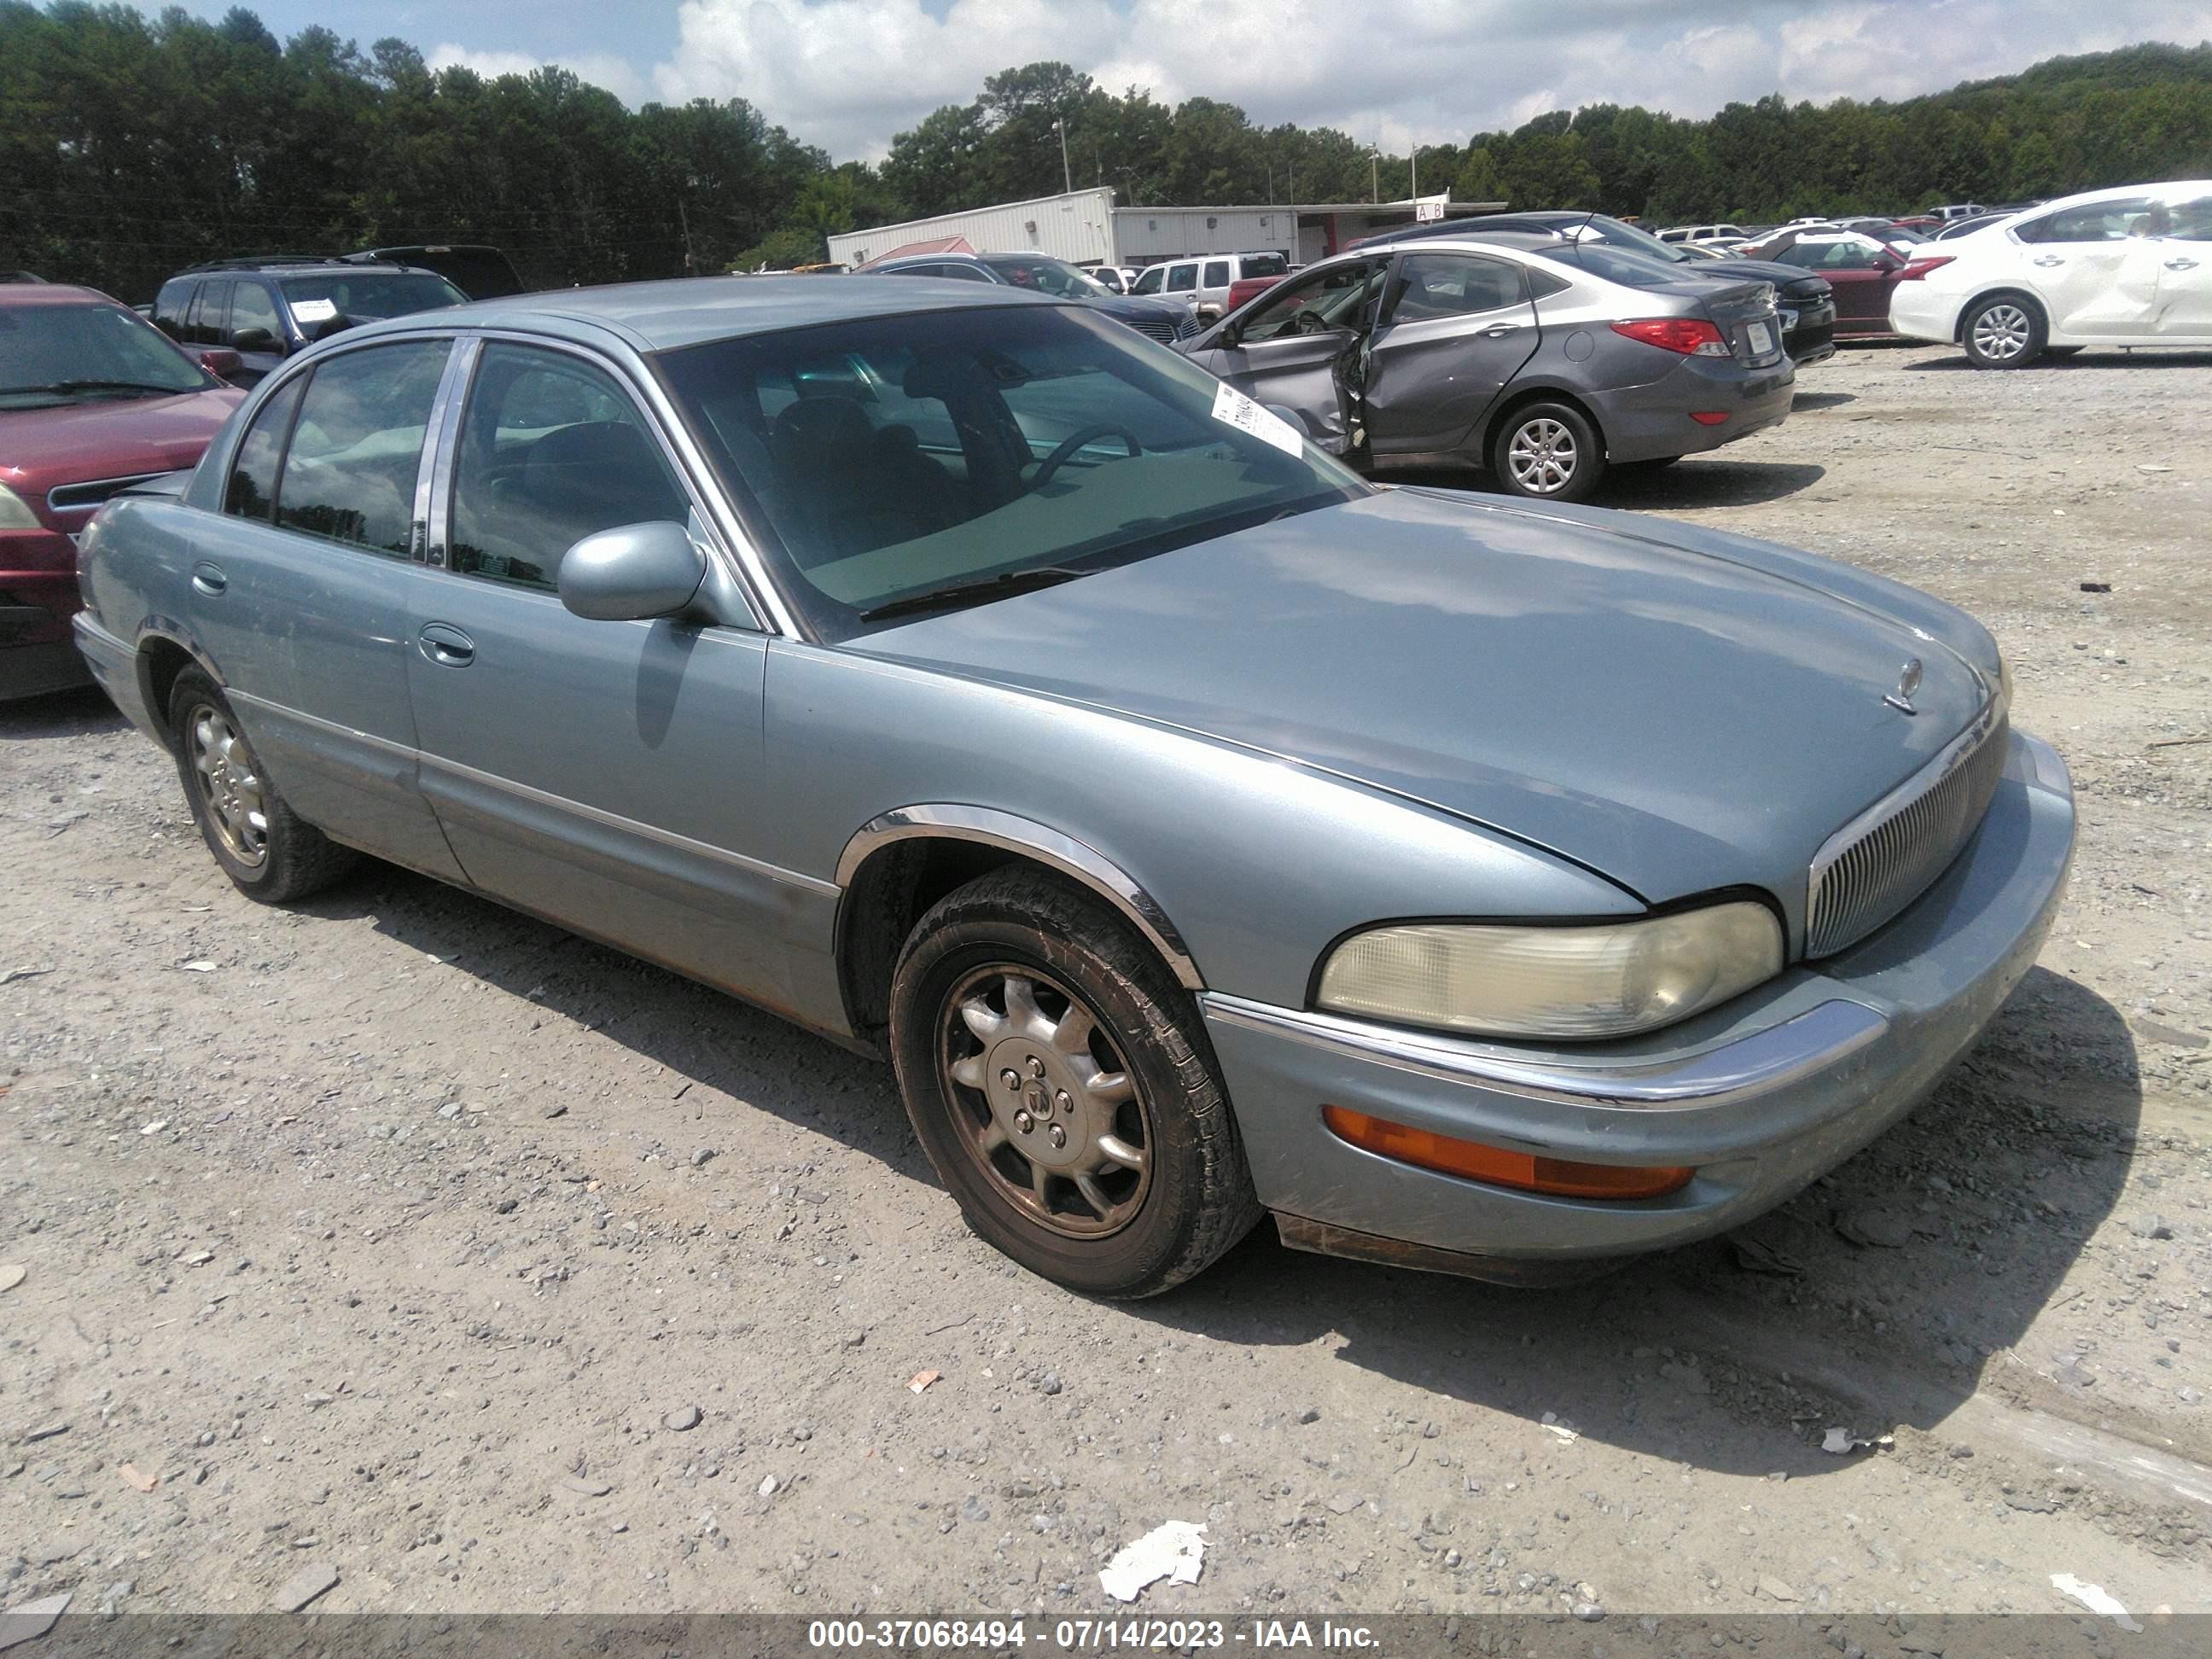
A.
x: 600, y: 69
x: 847, y: 74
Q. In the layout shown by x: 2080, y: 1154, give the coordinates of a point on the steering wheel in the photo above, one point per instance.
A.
x: 1310, y: 321
x: 1067, y: 447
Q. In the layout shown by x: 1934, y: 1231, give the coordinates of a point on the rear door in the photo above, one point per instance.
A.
x: 298, y: 593
x: 2093, y: 269
x: 605, y: 774
x: 1456, y: 328
x: 1295, y: 346
x: 2184, y: 278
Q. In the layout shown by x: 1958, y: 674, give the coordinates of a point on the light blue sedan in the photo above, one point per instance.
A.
x: 1201, y: 832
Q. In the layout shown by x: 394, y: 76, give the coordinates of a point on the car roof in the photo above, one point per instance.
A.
x: 55, y: 293
x: 685, y: 311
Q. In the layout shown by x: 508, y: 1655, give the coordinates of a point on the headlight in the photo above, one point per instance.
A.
x: 14, y: 514
x: 1565, y: 982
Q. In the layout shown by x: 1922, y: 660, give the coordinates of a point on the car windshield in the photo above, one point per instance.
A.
x: 367, y: 293
x: 53, y: 355
x: 1629, y: 268
x: 896, y: 456
x: 1051, y: 276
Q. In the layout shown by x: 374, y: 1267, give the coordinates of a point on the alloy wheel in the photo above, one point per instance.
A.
x: 1543, y: 456
x: 2001, y: 332
x: 230, y: 788
x: 1045, y: 1102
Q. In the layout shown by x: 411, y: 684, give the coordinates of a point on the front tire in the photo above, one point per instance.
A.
x: 269, y: 851
x: 1061, y: 1082
x: 1547, y: 451
x: 2005, y: 331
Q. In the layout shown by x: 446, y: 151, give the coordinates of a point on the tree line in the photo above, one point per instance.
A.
x: 131, y: 146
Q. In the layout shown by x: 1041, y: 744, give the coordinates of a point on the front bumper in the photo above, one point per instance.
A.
x: 1760, y: 1098
x: 1920, y: 312
x: 1644, y: 423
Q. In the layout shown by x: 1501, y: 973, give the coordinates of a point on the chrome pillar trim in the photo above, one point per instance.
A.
x: 1071, y: 857
x: 1732, y: 1073
x: 441, y: 454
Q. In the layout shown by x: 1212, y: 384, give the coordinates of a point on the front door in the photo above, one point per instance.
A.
x: 1297, y: 347
x: 299, y: 593
x: 1455, y: 329
x: 2092, y: 268
x: 605, y: 774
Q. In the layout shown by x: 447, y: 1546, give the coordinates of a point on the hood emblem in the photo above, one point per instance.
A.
x: 1908, y: 681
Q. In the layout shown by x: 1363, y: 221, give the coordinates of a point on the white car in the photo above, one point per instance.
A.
x: 2131, y: 266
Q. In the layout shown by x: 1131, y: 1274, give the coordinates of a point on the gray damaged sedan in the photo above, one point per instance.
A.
x: 1545, y: 363
x: 1201, y: 832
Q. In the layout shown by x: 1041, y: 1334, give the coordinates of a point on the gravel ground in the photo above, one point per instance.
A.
x: 404, y: 1239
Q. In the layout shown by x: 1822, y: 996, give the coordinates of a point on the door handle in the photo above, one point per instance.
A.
x: 2181, y: 264
x: 445, y: 644
x: 2050, y: 259
x: 208, y: 579
x: 1499, y: 330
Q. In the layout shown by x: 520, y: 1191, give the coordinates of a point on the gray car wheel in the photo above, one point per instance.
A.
x: 1061, y: 1082
x: 2006, y: 330
x: 267, y: 850
x: 1547, y: 451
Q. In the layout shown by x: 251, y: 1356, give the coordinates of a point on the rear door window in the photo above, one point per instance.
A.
x: 1436, y: 285
x: 204, y: 324
x: 2096, y: 221
x: 251, y: 490
x: 356, y: 449
x: 1216, y: 274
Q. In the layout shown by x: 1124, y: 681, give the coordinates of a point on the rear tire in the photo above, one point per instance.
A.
x: 1547, y: 451
x: 2004, y: 331
x: 270, y: 853
x: 1061, y: 1082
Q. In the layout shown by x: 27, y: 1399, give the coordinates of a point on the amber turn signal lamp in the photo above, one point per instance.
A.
x: 1522, y: 1172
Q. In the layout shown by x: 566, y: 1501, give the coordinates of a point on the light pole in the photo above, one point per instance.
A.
x: 1067, y: 178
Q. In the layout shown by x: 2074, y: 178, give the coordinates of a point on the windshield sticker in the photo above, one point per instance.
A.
x: 313, y: 311
x: 1233, y: 408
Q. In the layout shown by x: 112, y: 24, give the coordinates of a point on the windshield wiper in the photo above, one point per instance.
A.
x: 96, y: 385
x: 986, y: 588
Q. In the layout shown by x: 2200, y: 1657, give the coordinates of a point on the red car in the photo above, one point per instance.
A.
x: 93, y: 398
x: 1861, y: 270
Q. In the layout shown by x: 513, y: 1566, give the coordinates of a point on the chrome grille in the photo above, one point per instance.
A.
x: 1884, y: 859
x: 1186, y: 326
x: 67, y: 498
x: 1157, y: 329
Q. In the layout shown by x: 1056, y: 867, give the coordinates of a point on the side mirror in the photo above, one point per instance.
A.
x: 253, y: 339
x: 220, y: 362
x: 1885, y: 260
x: 632, y: 573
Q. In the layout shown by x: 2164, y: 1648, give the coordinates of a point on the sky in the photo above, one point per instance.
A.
x: 848, y: 74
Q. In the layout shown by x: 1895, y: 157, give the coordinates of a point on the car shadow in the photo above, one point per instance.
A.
x: 1805, y: 400
x: 1706, y: 1355
x: 1701, y: 1356
x: 2087, y: 357
x: 1695, y: 481
x: 77, y: 712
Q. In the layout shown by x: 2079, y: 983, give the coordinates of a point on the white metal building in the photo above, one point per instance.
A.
x: 1086, y: 227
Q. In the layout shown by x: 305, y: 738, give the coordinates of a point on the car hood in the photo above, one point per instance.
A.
x: 109, y: 438
x: 1678, y: 711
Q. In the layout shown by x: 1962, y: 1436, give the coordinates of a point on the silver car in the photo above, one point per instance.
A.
x: 1201, y: 832
x: 1457, y: 352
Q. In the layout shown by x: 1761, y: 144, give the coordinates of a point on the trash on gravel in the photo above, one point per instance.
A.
x: 586, y: 1486
x: 2096, y: 587
x: 1174, y: 1551
x: 1551, y: 1424
x: 15, y: 973
x: 155, y: 1128
x: 11, y: 1275
x: 2146, y: 466
x: 31, y: 1620
x: 1756, y: 1256
x: 767, y: 1487
x: 2093, y: 1597
x: 305, y: 1585
x: 200, y: 965
x: 138, y: 1478
x: 46, y: 1433
x: 919, y: 1380
x: 1842, y: 1443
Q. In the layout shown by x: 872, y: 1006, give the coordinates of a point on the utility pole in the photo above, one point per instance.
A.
x: 1067, y: 178
x: 1413, y: 174
x: 1375, y: 173
x: 690, y: 267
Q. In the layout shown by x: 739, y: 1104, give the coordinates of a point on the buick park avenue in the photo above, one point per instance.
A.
x: 1201, y: 832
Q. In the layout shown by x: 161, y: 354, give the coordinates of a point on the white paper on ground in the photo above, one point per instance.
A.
x: 1174, y: 1551
x: 1233, y: 408
x: 2092, y: 1597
